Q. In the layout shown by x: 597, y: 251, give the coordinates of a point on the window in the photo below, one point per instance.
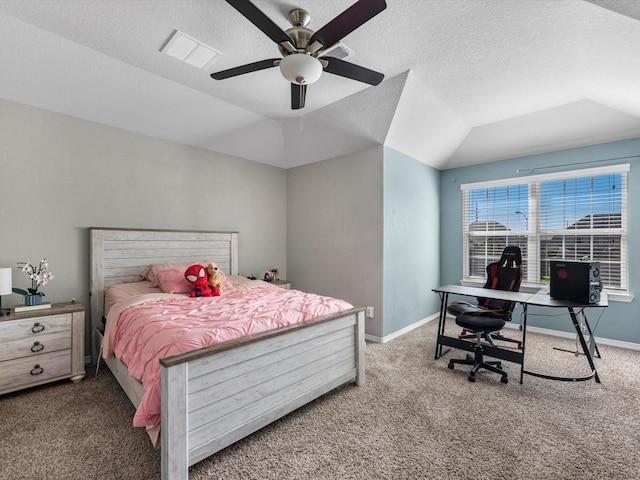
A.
x: 576, y: 215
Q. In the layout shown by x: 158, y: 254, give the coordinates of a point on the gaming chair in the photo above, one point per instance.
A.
x: 505, y: 274
x: 487, y: 318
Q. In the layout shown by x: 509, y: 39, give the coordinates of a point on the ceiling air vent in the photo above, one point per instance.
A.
x: 339, y: 50
x: 190, y: 50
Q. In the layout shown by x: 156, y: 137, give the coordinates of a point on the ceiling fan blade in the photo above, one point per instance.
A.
x: 264, y: 23
x: 352, y: 71
x: 248, y: 68
x: 298, y: 96
x: 345, y: 23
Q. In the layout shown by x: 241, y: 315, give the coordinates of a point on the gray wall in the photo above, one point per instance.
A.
x: 411, y: 240
x: 60, y: 175
x: 335, y: 229
x: 620, y: 320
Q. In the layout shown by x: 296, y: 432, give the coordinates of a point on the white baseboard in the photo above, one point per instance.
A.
x: 402, y: 331
x: 557, y: 333
x: 513, y: 325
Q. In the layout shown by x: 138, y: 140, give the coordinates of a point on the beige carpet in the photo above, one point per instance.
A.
x: 413, y: 419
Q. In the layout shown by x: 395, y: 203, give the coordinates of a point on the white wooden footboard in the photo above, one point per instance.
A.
x: 214, y: 396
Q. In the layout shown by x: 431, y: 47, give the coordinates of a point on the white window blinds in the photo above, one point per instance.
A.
x: 577, y: 215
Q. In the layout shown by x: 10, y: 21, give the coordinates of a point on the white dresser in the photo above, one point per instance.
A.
x: 41, y: 346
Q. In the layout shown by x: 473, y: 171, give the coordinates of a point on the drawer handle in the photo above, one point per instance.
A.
x: 37, y: 369
x: 37, y: 346
x: 37, y: 327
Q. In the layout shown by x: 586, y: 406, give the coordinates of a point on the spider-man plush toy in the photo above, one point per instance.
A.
x: 196, y: 275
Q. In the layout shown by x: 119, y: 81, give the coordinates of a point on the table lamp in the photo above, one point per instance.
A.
x: 5, y: 289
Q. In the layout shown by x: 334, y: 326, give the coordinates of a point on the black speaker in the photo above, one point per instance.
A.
x: 576, y: 281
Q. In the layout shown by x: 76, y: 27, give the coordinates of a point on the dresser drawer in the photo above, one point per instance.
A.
x: 36, y: 344
x: 34, y: 370
x: 32, y: 327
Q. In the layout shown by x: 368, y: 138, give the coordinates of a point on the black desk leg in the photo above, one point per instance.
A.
x: 585, y: 347
x: 444, y: 298
x: 524, y: 339
x: 586, y: 322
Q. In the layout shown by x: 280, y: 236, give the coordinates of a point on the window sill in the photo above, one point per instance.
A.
x: 614, y: 296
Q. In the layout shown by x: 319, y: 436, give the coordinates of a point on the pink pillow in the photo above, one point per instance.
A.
x: 173, y: 281
x: 151, y: 272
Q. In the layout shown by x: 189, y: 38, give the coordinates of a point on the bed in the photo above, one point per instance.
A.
x: 274, y: 367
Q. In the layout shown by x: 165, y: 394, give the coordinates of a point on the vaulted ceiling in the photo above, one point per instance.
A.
x: 465, y: 82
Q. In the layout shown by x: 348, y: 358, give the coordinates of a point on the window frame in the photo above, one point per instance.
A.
x: 532, y: 230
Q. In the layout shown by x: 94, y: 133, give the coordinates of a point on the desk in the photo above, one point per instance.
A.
x: 525, y: 299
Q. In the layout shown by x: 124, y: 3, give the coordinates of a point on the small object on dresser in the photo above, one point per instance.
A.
x: 31, y: 300
x: 39, y: 276
x: 271, y: 275
x: 26, y: 308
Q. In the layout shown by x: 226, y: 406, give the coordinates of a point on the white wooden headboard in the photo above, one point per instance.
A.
x: 120, y: 255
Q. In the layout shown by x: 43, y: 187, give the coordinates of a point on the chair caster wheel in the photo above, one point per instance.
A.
x: 504, y: 380
x: 472, y: 378
x: 450, y: 365
x: 499, y: 365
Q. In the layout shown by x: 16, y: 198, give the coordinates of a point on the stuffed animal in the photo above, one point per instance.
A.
x: 212, y: 274
x: 196, y: 275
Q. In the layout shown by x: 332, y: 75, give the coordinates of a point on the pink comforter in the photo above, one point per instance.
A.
x: 151, y: 328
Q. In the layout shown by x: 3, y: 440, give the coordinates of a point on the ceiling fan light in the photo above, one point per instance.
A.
x: 300, y: 68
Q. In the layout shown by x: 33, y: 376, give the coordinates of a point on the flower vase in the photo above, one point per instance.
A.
x: 33, y: 300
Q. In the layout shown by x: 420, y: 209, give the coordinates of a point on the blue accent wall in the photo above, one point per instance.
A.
x: 621, y: 320
x: 411, y: 257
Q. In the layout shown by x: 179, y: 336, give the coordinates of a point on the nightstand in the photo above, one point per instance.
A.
x: 282, y: 284
x: 41, y: 346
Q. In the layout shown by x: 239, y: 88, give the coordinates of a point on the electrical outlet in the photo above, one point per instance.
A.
x: 369, y: 311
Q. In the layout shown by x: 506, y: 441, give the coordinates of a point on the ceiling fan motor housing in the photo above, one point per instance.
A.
x: 301, y: 36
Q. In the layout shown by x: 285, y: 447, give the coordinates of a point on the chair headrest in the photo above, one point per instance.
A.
x: 511, y: 257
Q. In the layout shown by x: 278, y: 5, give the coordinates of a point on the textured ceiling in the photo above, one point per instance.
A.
x: 465, y: 82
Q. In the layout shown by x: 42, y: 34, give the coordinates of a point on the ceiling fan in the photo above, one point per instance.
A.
x: 302, y: 49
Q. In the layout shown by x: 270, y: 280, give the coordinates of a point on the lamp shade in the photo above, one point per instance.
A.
x: 300, y: 68
x: 5, y: 281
